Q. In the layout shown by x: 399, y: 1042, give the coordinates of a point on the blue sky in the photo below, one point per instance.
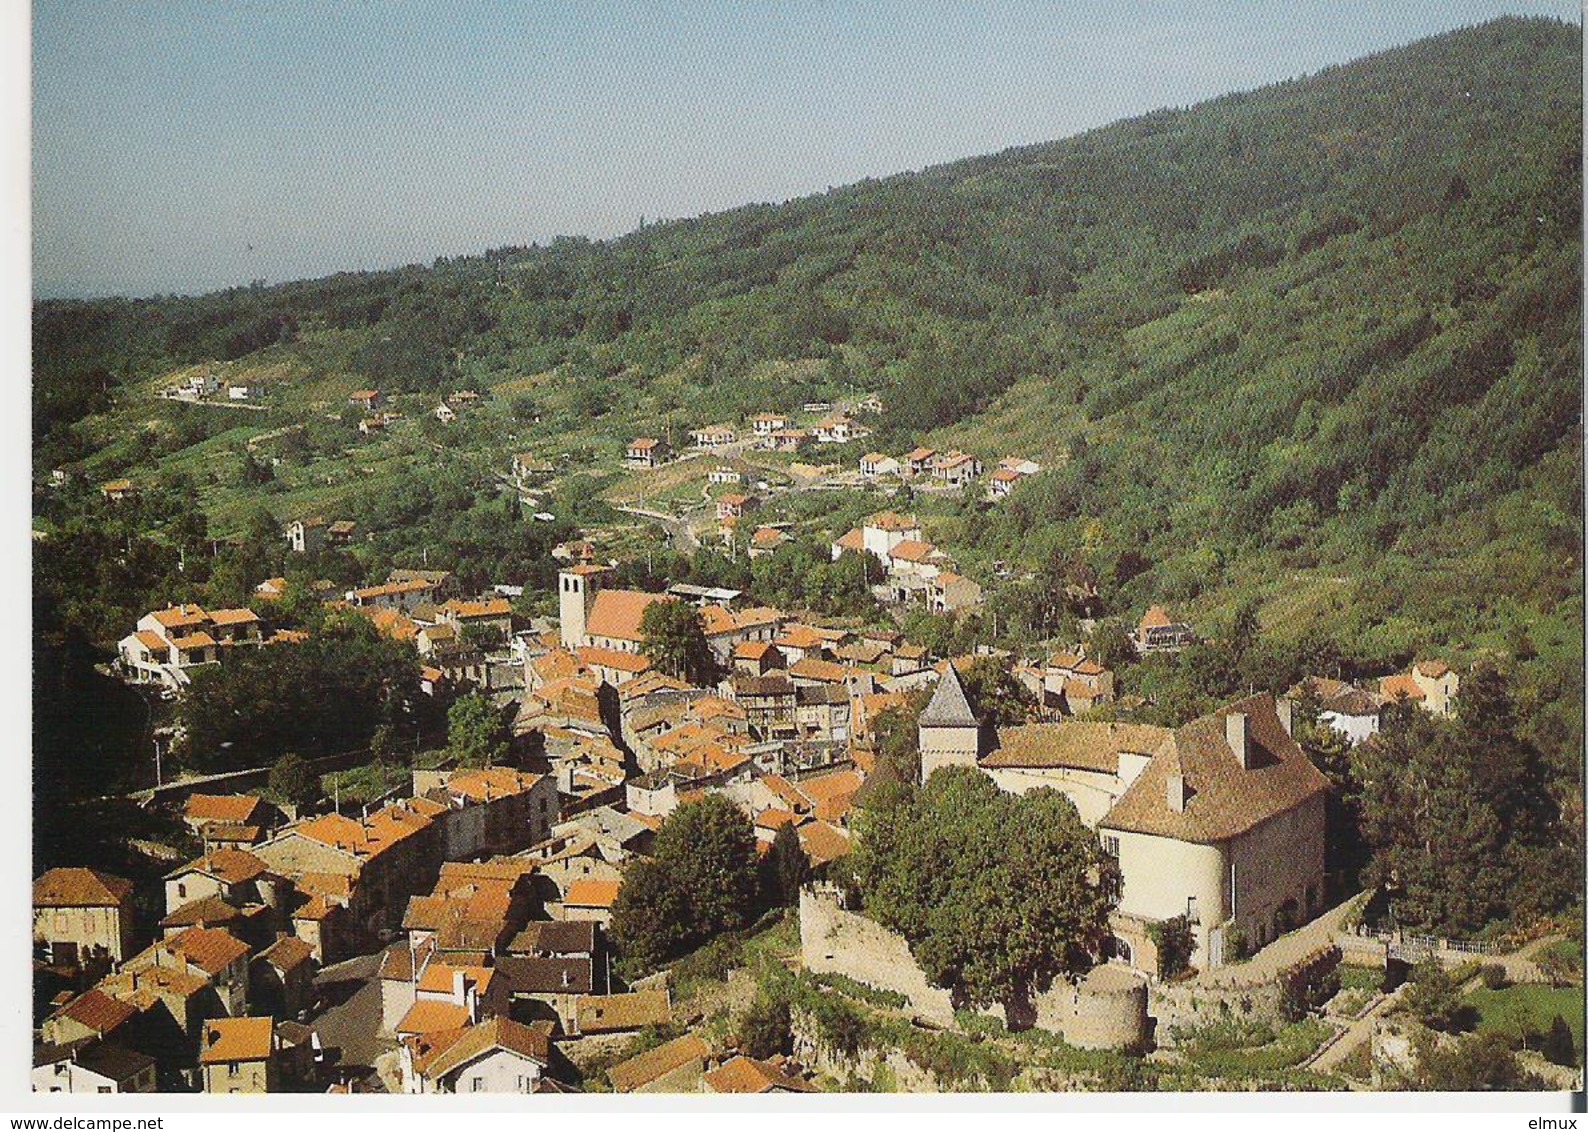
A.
x: 187, y: 146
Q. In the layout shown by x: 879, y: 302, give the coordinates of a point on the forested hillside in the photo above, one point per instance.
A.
x: 1317, y: 345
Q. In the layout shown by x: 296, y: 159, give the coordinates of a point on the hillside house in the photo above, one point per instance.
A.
x: 766, y: 424
x: 786, y: 440
x: 403, y: 596
x: 444, y: 413
x: 646, y: 452
x: 876, y: 464
x: 734, y: 505
x: 168, y: 643
x: 948, y: 592
x: 306, y: 536
x: 1430, y: 684
x: 1001, y: 483
x: 1353, y: 712
x: 368, y: 400
x: 369, y: 426
x: 712, y: 437
x: 765, y: 541
x: 917, y: 462
x: 238, y: 1055
x: 495, y: 1056
x: 529, y: 469
x: 955, y: 469
x: 839, y: 429
x: 1072, y: 683
x: 723, y: 475
x: 1158, y: 632
x: 114, y: 491
x: 93, y: 1068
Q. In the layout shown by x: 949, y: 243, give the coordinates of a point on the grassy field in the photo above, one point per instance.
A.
x: 1525, y: 1011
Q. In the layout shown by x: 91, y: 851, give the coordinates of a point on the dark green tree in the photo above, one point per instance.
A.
x: 784, y: 868
x: 477, y: 732
x: 673, y: 635
x: 293, y: 780
x: 764, y: 1031
x: 997, y: 894
x: 700, y: 881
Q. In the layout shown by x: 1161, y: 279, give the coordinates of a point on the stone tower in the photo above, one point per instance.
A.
x: 948, y: 733
x: 577, y: 587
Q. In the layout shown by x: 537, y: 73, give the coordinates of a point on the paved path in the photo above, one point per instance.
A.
x: 1351, y: 1040
x: 678, y: 532
x: 1287, y: 949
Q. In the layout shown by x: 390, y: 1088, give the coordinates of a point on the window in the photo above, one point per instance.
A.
x: 181, y: 889
x: 104, y: 1088
x: 476, y: 1085
x: 1191, y: 909
x: 1111, y: 846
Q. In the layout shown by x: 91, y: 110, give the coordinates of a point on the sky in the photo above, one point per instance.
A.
x: 180, y: 147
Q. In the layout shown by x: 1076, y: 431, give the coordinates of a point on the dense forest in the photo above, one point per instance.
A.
x: 1314, y: 349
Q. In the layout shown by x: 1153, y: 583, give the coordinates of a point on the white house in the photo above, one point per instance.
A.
x: 875, y: 464
x: 497, y: 1056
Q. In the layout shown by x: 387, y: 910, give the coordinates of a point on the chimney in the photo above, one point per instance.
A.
x: 458, y: 982
x: 1238, y: 735
x: 1285, y: 710
x: 1176, y: 793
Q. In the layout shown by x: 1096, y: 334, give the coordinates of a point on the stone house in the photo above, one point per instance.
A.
x: 82, y: 917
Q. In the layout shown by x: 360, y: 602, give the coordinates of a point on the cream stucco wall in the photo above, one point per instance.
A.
x: 105, y: 928
x: 496, y: 1072
x: 946, y: 746
x: 1160, y: 875
x: 1093, y: 793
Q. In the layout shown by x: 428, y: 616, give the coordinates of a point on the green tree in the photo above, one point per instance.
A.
x: 997, y: 894
x: 1434, y: 999
x: 700, y: 881
x: 1463, y: 826
x: 1110, y: 645
x: 1474, y: 1063
x: 996, y: 695
x: 1558, y: 1047
x: 293, y: 781
x: 477, y: 732
x: 673, y: 635
x: 785, y: 867
x: 764, y: 1031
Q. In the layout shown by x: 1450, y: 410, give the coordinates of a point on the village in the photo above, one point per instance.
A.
x: 454, y: 936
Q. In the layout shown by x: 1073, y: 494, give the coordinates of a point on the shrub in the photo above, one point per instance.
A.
x: 765, y: 1029
x: 1493, y: 976
x: 1174, y: 942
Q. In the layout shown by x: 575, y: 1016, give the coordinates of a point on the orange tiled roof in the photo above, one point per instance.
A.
x: 80, y: 888
x: 230, y: 866
x: 642, y: 1069
x: 1400, y: 686
x: 618, y: 613
x: 220, y: 807
x: 97, y: 1011
x: 912, y: 550
x: 211, y: 950
x: 428, y: 1015
x: 237, y: 1039
x: 597, y: 657
x: 746, y: 1075
x: 233, y: 616
x: 587, y: 893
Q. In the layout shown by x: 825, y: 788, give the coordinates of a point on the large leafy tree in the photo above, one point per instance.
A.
x: 1459, y: 815
x: 477, y: 732
x: 701, y: 880
x: 673, y: 635
x: 325, y: 695
x: 998, y: 894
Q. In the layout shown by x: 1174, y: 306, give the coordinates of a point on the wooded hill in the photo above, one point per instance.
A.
x: 1318, y: 343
